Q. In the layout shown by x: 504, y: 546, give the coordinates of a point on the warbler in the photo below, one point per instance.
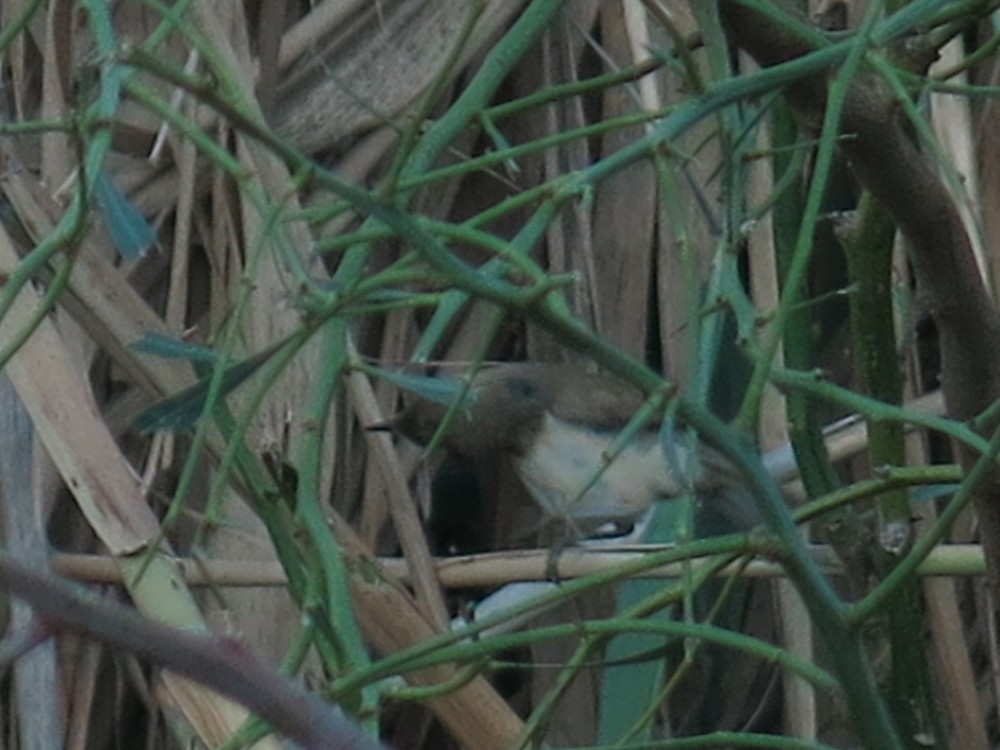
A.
x: 557, y: 424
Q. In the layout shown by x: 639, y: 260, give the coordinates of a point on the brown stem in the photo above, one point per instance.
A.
x: 222, y: 664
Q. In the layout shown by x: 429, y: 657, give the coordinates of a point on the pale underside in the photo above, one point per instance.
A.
x: 567, y: 471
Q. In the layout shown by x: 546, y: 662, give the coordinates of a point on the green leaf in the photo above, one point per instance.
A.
x: 440, y: 390
x: 168, y: 347
x: 182, y: 410
x: 130, y: 232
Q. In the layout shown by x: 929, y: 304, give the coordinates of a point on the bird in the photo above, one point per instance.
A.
x: 557, y: 425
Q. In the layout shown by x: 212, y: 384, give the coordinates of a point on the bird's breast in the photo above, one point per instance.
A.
x: 561, y: 466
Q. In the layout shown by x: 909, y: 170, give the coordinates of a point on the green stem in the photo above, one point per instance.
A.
x: 887, y: 588
x: 799, y: 339
x: 813, y: 383
x: 869, y: 249
x: 314, y: 452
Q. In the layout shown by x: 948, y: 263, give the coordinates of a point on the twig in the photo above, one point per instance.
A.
x: 220, y: 663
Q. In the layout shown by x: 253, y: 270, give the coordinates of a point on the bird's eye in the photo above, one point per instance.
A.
x: 523, y: 388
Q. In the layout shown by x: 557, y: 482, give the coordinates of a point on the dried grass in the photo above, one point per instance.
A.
x: 353, y: 84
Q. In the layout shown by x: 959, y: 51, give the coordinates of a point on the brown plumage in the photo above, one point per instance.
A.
x: 506, y: 403
x: 557, y: 424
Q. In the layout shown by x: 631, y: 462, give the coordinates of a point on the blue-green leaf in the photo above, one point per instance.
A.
x: 440, y: 390
x: 168, y: 347
x: 130, y: 232
x: 182, y: 410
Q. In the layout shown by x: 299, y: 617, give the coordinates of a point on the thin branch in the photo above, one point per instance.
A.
x: 220, y: 663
